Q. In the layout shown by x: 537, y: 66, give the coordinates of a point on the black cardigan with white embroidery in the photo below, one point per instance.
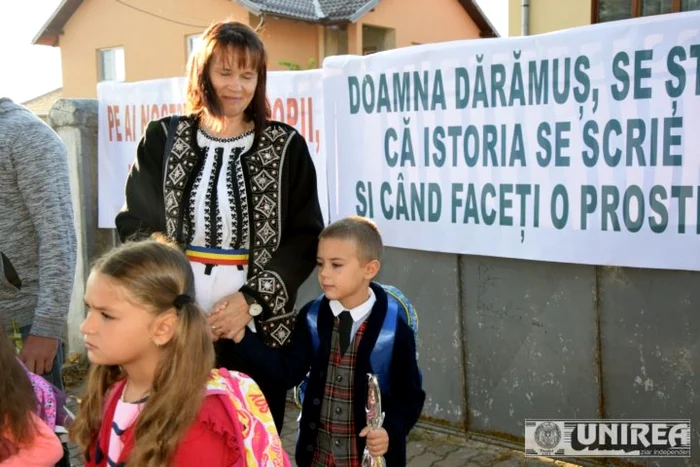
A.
x: 284, y: 216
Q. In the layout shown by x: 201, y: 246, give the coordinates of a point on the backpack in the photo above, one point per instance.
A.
x: 398, y: 307
x: 51, y: 409
x: 259, y: 442
x: 244, y: 403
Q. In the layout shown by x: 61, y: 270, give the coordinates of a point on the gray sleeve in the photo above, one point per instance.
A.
x: 41, y: 163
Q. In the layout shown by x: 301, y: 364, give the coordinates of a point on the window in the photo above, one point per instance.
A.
x: 193, y: 43
x: 111, y: 64
x: 613, y: 10
x: 335, y: 40
x: 377, y: 39
x: 656, y: 7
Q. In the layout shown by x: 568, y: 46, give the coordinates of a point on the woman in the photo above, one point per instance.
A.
x: 237, y: 191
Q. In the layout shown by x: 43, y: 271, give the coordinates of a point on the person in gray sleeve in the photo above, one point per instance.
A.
x: 37, y: 238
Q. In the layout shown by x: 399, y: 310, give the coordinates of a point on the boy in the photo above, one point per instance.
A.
x: 332, y: 429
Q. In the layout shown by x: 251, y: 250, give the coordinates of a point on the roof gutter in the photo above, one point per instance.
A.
x: 369, y: 6
x: 482, y: 21
x: 251, y: 6
x: 322, y: 18
x: 46, y: 25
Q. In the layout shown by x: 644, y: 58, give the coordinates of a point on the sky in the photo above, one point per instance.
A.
x: 29, y: 70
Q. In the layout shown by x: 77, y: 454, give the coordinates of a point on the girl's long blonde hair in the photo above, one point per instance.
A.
x: 154, y: 273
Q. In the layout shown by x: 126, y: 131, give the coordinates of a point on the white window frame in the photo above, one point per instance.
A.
x: 110, y: 64
x: 193, y: 42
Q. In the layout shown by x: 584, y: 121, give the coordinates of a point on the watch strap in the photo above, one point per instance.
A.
x: 250, y: 300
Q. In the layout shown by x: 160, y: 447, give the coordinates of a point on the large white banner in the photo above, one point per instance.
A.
x: 125, y: 109
x: 581, y: 146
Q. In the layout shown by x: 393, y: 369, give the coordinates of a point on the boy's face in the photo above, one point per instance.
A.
x: 342, y: 274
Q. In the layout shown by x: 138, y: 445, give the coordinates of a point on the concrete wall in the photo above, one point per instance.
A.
x: 75, y: 121
x: 500, y: 340
x: 650, y: 340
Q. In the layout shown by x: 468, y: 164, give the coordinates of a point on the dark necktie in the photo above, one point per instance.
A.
x: 344, y: 331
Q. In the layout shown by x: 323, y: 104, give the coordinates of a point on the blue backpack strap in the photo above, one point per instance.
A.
x: 409, y: 314
x: 384, y: 348
x: 312, y: 321
x: 312, y: 324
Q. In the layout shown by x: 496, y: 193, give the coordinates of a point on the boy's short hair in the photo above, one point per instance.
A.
x: 362, y: 231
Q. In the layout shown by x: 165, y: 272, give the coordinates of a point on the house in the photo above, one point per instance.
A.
x: 41, y: 105
x: 135, y: 40
x: 552, y: 15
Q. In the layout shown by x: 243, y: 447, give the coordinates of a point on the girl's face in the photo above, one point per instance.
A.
x: 116, y: 330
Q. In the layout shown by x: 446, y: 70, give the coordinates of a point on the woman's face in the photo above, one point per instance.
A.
x: 233, y: 85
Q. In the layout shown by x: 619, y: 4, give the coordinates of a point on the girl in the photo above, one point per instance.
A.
x: 152, y: 398
x: 25, y: 440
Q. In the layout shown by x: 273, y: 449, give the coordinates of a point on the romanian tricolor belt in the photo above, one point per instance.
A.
x: 198, y: 254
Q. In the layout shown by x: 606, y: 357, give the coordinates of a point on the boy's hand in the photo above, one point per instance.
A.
x: 377, y: 440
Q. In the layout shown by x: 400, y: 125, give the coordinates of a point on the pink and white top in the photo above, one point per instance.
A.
x: 125, y: 415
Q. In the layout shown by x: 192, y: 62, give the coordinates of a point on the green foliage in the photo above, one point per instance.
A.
x: 296, y: 67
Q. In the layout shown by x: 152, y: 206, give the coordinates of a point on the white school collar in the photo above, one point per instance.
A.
x: 359, y: 311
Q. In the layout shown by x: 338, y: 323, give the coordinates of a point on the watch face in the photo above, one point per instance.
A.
x: 255, y: 309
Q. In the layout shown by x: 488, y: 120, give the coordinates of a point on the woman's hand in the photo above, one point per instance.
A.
x: 229, y: 316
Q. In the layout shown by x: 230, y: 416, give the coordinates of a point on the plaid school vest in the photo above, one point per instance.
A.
x: 336, y: 444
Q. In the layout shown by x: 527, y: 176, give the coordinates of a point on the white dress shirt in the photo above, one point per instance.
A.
x: 359, y: 313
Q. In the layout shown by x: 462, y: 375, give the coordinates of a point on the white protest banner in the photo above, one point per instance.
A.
x: 296, y: 98
x: 581, y: 146
x: 125, y: 109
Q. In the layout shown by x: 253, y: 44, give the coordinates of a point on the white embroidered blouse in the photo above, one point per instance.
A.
x: 217, y: 215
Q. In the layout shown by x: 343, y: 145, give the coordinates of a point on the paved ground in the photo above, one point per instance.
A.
x: 425, y: 448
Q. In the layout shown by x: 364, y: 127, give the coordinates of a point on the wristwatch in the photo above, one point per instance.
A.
x: 254, y: 308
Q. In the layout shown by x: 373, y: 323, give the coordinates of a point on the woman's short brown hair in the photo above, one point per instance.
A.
x: 248, y: 49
